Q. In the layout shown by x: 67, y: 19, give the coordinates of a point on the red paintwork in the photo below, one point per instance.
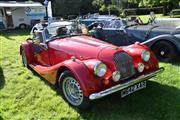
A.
x: 87, y: 51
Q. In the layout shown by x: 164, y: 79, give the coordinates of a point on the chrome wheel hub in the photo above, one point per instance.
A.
x: 162, y: 53
x: 72, y: 91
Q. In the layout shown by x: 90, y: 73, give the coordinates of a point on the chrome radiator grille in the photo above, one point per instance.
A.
x: 124, y: 64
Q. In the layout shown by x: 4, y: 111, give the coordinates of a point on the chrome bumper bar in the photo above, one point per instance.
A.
x: 119, y: 87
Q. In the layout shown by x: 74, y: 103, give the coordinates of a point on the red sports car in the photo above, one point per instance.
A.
x: 85, y: 68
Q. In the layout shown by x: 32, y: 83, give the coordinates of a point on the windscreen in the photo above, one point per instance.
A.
x: 113, y: 24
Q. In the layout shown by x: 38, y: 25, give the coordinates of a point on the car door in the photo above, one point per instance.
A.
x: 140, y: 33
x: 40, y: 49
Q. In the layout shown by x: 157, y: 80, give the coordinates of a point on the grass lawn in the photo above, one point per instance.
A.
x: 145, y: 18
x: 26, y: 96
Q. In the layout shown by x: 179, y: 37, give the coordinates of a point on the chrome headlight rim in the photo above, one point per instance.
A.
x: 145, y: 55
x: 100, y: 69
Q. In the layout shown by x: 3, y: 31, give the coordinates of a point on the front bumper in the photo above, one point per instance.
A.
x: 119, y: 87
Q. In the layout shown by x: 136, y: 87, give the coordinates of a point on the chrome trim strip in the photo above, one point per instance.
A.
x: 118, y: 87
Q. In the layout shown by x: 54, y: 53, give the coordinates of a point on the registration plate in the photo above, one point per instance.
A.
x: 133, y: 88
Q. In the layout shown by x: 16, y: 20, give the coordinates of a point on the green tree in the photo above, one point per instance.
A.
x: 87, y: 7
x: 98, y: 3
x: 167, y: 4
x: 109, y: 6
x: 101, y: 5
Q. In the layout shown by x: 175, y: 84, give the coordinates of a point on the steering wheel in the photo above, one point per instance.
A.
x: 95, y: 25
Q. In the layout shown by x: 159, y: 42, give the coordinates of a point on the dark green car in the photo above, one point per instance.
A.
x: 164, y: 41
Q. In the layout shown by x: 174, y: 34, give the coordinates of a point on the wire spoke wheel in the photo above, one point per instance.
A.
x: 72, y: 91
x: 165, y: 51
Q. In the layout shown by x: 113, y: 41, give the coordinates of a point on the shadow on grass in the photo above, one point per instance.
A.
x: 157, y: 101
x: 177, y: 63
x: 8, y: 34
x: 174, y: 62
x: 1, y: 118
x: 2, y: 79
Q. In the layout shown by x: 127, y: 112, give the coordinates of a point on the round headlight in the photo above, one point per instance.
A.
x: 116, y: 76
x: 140, y: 67
x: 145, y: 55
x: 100, y: 69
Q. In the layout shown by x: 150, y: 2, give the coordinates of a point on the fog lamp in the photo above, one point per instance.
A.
x: 116, y: 76
x: 140, y: 67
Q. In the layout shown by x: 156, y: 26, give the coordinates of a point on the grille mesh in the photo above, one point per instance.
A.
x: 124, y: 64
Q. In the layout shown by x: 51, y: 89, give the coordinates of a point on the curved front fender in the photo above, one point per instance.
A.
x: 82, y: 74
x: 168, y: 37
x: 77, y: 67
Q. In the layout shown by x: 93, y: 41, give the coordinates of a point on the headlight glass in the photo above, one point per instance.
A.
x: 100, y: 69
x: 145, y: 55
x: 140, y: 67
x: 116, y: 76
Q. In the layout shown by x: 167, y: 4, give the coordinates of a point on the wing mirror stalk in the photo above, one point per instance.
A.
x: 43, y: 45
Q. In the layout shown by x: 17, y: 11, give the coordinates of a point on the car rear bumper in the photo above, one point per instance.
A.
x: 119, y: 87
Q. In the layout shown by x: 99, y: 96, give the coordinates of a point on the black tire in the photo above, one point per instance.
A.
x: 83, y: 102
x: 24, y: 58
x: 22, y: 26
x: 165, y: 51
